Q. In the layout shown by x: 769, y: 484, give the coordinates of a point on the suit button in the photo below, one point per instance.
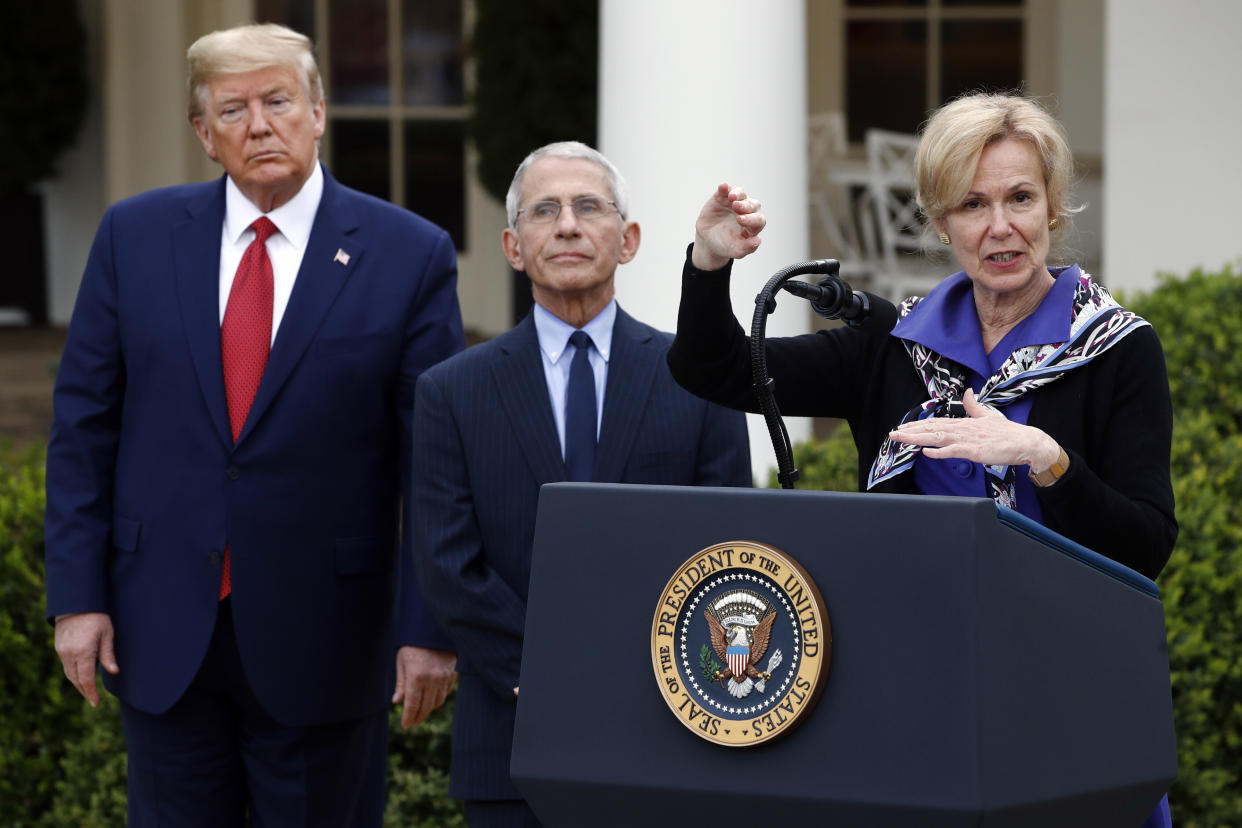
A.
x: 964, y: 468
x: 214, y: 558
x: 232, y: 472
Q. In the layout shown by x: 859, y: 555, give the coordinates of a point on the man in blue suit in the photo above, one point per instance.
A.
x: 230, y: 458
x: 496, y: 422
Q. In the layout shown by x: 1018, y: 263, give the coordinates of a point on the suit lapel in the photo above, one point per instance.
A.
x: 632, y: 368
x: 517, y: 371
x: 320, y: 278
x: 196, y: 260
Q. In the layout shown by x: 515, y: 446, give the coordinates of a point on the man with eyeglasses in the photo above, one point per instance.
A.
x: 579, y: 390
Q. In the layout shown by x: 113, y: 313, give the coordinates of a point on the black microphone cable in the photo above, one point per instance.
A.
x: 831, y: 298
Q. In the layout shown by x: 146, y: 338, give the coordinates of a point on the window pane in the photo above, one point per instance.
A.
x: 886, y: 69
x: 360, y: 156
x: 981, y: 54
x: 298, y: 15
x: 358, y: 51
x: 435, y: 174
x: 432, y: 52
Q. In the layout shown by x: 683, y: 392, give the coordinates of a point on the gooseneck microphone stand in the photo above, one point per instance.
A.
x: 831, y: 298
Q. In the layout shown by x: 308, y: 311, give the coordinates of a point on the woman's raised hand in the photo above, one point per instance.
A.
x: 728, y: 227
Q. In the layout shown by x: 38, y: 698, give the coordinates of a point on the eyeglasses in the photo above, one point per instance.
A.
x: 587, y: 208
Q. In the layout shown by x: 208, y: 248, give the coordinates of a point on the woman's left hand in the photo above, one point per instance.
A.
x: 984, y: 436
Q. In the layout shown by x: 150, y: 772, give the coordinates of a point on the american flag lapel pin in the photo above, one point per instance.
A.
x: 341, y: 256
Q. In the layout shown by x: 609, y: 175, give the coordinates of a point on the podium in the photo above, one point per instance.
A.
x: 984, y: 672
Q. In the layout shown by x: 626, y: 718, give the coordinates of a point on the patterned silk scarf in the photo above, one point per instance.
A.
x: 1098, y: 324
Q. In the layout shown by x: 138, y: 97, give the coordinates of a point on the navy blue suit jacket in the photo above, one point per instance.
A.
x: 484, y: 442
x: 145, y: 485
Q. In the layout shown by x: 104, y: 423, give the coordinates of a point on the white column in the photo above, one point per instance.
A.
x: 693, y: 93
x: 1173, y: 167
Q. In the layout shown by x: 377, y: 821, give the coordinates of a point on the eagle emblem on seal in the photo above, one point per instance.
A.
x: 740, y: 624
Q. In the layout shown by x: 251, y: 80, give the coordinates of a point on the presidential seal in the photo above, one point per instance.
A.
x: 740, y: 643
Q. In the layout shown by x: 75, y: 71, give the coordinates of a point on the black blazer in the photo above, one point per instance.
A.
x: 1113, y: 417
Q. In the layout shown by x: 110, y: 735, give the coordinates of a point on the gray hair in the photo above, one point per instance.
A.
x: 245, y: 49
x: 568, y: 149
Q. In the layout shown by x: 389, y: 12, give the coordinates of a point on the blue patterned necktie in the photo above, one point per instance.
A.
x: 580, y: 412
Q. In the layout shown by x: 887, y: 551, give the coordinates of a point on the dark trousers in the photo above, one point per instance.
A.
x: 216, y: 756
x: 500, y: 813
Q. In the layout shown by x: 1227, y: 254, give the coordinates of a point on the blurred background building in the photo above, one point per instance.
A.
x: 778, y: 96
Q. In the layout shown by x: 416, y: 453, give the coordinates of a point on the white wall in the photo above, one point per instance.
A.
x: 1080, y: 74
x: 1078, y: 94
x: 693, y: 93
x: 1173, y: 83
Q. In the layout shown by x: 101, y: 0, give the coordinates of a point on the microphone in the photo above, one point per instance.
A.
x: 832, y: 298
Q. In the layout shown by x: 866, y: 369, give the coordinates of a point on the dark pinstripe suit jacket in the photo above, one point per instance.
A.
x: 484, y: 442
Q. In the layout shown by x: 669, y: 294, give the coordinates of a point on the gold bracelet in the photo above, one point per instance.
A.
x: 1051, y: 474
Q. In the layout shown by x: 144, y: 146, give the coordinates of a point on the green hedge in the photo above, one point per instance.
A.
x: 1200, y: 327
x: 1199, y: 322
x: 62, y: 763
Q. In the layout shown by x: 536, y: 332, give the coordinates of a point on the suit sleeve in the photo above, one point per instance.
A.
x: 724, y: 449
x: 82, y: 450
x: 481, y: 613
x: 434, y: 333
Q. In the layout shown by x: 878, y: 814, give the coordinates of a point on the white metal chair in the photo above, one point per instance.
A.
x: 833, y: 205
x: 897, y: 231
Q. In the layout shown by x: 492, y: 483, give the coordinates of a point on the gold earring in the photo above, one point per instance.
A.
x: 944, y: 239
x: 1052, y: 225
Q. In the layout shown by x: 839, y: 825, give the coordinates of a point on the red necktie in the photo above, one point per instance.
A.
x: 246, y: 338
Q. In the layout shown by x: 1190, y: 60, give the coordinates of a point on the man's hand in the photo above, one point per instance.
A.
x: 424, y: 679
x: 82, y: 639
x: 728, y: 227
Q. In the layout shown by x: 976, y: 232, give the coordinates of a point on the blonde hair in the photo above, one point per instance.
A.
x: 245, y: 49
x: 955, y: 136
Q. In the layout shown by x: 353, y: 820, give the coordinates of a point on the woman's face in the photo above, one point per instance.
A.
x: 999, y: 231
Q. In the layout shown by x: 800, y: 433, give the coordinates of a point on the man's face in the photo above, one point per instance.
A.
x: 571, y: 258
x: 262, y: 129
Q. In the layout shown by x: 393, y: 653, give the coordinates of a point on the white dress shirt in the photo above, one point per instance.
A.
x: 285, y: 248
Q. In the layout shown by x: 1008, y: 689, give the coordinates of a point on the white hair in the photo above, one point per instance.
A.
x: 569, y: 150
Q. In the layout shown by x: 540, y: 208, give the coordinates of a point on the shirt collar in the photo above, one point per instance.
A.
x: 293, y: 219
x: 554, y: 332
x: 946, y: 321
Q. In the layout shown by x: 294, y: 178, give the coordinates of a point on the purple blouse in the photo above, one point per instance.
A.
x: 946, y: 322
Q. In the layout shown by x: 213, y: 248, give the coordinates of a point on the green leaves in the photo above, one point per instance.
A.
x: 62, y: 763
x: 418, y: 765
x: 60, y: 760
x: 1200, y: 325
x: 830, y: 465
x: 709, y: 666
